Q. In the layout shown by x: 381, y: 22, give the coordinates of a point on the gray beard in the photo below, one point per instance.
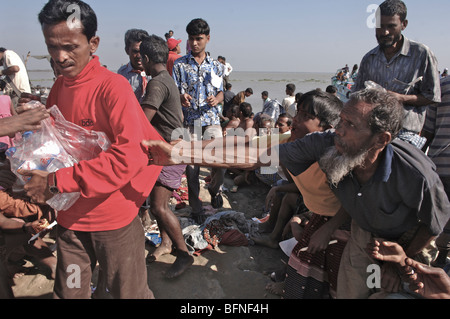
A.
x: 336, y: 166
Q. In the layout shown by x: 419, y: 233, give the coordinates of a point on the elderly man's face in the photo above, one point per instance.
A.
x: 353, y: 141
x: 69, y: 48
x: 353, y: 133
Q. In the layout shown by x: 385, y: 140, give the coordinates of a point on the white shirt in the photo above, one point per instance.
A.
x: 287, y: 102
x: 292, y: 110
x: 20, y: 79
x: 228, y: 69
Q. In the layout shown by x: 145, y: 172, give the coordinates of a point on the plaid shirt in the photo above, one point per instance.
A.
x: 199, y: 81
x: 413, y: 70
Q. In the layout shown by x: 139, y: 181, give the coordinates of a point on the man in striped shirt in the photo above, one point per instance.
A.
x: 406, y: 68
x: 437, y: 132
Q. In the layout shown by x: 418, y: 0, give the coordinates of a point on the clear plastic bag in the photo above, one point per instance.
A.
x: 58, y: 144
x: 374, y: 86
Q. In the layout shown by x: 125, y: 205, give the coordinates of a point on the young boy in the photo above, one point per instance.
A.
x: 200, y: 83
x: 162, y: 107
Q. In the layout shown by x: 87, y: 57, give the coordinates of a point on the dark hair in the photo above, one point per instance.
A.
x: 265, y: 93
x: 197, y: 27
x: 390, y: 8
x: 291, y: 87
x: 249, y: 90
x: 2, y: 50
x: 155, y: 48
x: 133, y: 36
x: 326, y: 107
x: 57, y: 11
x: 289, y: 118
x: 246, y: 109
x: 331, y: 89
x: 387, y: 113
x: 235, y: 109
x: 228, y: 85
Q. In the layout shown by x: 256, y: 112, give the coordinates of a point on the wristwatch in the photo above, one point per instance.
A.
x: 51, y: 181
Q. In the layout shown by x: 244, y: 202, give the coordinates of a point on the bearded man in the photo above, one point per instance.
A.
x: 387, y: 186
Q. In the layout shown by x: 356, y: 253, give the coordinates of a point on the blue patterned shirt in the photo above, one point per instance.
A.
x: 199, y: 81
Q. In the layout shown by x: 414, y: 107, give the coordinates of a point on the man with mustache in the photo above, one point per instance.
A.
x: 388, y: 187
x: 402, y: 66
x: 134, y: 71
x: 103, y: 225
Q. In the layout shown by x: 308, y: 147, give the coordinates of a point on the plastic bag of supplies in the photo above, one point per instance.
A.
x: 58, y: 144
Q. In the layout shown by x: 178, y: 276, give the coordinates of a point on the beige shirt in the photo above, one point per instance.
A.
x: 20, y: 79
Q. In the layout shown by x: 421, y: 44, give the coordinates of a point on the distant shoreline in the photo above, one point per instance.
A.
x: 277, y: 72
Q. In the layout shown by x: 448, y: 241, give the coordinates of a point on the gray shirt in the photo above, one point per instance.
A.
x: 412, y: 71
x: 404, y: 191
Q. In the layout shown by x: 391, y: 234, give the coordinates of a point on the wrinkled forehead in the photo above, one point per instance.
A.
x: 357, y: 110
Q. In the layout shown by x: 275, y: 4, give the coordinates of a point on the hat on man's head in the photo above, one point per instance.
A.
x: 172, y: 43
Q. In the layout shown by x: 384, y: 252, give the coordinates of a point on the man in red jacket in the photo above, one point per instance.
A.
x: 103, y: 225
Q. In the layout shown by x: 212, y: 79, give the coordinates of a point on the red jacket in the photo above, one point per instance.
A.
x: 173, y: 56
x: 115, y: 184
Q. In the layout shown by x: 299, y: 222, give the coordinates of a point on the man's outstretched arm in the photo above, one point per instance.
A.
x: 227, y: 152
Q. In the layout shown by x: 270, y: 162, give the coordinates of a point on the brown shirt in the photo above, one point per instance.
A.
x: 162, y: 94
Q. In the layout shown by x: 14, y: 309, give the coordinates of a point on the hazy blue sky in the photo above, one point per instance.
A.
x: 254, y: 35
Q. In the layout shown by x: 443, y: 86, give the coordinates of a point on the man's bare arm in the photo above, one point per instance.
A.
x: 227, y: 152
x: 26, y: 121
x: 413, y: 100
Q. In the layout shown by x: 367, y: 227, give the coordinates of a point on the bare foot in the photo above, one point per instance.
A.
x: 182, y: 263
x: 276, y: 288
x: 160, y: 251
x: 265, y: 228
x: 266, y: 241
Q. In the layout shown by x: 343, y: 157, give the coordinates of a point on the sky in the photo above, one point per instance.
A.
x: 254, y: 35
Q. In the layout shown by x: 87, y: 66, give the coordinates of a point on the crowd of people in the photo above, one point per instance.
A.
x: 356, y: 185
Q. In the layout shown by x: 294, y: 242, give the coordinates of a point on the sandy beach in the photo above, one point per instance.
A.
x: 226, y: 272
